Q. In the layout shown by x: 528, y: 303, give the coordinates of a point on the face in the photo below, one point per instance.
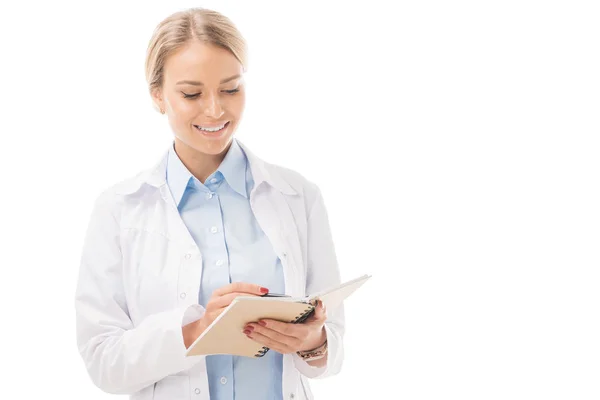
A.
x: 203, y: 97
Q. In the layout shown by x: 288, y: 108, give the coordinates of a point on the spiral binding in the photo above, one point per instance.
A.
x: 300, y: 318
x: 304, y: 315
x: 262, y: 352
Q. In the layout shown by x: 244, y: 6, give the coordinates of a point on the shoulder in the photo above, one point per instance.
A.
x: 137, y: 183
x: 303, y: 186
x: 287, y: 180
x: 111, y: 198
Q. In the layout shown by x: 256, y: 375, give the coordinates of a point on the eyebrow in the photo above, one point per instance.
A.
x: 197, y: 83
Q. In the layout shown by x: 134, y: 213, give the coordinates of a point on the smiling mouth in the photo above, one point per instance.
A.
x: 212, y: 130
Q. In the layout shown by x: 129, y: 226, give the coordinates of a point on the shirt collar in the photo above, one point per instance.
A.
x: 233, y: 169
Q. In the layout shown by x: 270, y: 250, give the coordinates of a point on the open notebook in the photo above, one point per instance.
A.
x: 225, y: 336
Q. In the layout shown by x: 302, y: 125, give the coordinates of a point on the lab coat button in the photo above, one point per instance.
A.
x: 182, y: 295
x: 188, y: 256
x: 197, y: 391
x: 219, y: 263
x: 214, y: 229
x: 292, y: 396
x: 223, y: 380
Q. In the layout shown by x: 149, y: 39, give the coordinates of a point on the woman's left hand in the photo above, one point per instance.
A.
x: 285, y: 337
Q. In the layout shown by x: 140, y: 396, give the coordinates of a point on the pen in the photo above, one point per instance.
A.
x: 275, y: 295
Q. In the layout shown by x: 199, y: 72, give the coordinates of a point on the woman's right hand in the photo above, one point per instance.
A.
x: 220, y: 299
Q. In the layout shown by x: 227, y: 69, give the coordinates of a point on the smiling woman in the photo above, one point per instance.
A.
x: 169, y: 249
x: 195, y: 75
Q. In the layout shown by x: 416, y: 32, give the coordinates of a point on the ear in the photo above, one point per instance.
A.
x: 157, y: 99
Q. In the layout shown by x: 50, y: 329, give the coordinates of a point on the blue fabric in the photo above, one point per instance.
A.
x: 234, y: 249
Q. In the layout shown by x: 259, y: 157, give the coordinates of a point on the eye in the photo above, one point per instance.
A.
x: 191, y: 96
x: 231, y: 91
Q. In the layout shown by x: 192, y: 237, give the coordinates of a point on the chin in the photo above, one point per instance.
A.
x: 211, y: 146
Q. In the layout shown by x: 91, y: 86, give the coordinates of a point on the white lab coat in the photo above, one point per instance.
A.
x: 140, y: 275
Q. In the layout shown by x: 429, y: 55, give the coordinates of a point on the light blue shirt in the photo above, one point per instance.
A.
x: 234, y: 249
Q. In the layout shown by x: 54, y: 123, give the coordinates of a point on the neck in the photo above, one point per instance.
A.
x: 201, y: 165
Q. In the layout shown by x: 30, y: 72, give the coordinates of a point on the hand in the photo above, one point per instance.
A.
x: 285, y: 337
x: 220, y: 299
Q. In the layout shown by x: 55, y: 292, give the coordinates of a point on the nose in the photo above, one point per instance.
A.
x: 213, y: 107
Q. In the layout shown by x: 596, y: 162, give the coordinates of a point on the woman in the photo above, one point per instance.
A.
x: 167, y: 250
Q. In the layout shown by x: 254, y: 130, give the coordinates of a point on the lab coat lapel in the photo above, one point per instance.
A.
x: 277, y: 222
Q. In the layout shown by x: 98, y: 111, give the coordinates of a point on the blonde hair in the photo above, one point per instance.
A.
x: 178, y: 29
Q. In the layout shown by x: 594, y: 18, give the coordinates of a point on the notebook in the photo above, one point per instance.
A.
x: 225, y: 334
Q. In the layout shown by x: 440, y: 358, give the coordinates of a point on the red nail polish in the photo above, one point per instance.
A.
x: 262, y: 323
x: 250, y: 328
x: 264, y: 290
x: 247, y: 331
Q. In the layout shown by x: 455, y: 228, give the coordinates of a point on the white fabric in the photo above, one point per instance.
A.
x: 131, y: 342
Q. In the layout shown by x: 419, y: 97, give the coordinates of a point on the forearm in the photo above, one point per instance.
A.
x: 125, y: 361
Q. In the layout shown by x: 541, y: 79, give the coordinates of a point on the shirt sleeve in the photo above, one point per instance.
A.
x: 121, y: 358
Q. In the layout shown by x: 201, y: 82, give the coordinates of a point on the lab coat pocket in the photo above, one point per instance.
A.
x: 153, y: 264
x: 148, y: 251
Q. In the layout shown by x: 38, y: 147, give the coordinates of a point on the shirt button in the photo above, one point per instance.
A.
x: 219, y: 263
x: 209, y: 196
x: 213, y: 180
x: 214, y: 229
x: 223, y: 380
x: 182, y: 295
x: 197, y: 391
x: 188, y: 256
x: 292, y: 396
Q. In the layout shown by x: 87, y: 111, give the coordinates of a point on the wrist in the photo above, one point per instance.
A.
x: 317, y: 354
x: 191, y: 332
x: 317, y: 342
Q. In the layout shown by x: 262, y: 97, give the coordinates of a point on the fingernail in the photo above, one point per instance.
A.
x: 250, y: 328
x: 264, y: 290
x: 247, y: 331
x: 262, y: 323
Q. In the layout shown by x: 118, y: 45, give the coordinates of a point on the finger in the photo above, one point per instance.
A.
x: 299, y: 331
x: 241, y: 287
x: 320, y: 312
x: 210, y: 316
x: 270, y: 343
x: 294, y: 336
x: 225, y: 300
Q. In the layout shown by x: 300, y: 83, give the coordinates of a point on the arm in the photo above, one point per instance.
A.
x: 323, y: 272
x: 121, y: 358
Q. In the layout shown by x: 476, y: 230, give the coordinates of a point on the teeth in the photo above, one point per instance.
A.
x: 218, y: 128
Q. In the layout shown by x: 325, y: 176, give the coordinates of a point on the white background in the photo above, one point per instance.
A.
x: 456, y: 144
